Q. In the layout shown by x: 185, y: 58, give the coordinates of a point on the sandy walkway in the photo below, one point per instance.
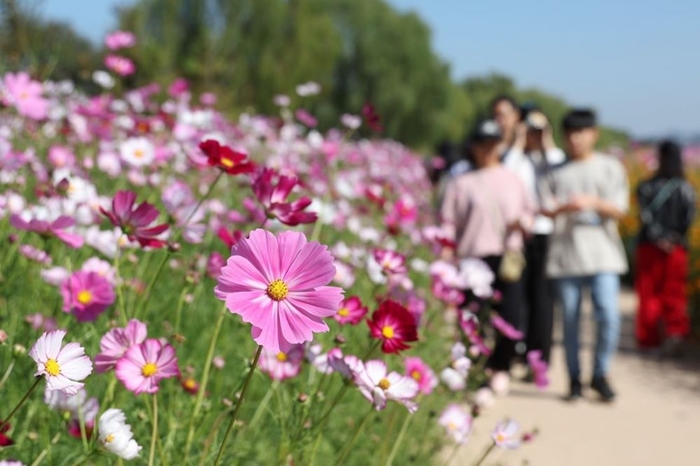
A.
x: 654, y: 422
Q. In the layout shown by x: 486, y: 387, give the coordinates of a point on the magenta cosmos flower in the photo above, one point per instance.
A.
x: 391, y: 262
x: 379, y: 385
x: 120, y: 40
x: 25, y: 95
x: 86, y: 295
x: 421, y: 373
x: 273, y: 198
x: 351, y: 311
x: 64, y: 367
x: 394, y: 326
x: 278, y: 284
x: 55, y: 228
x: 116, y: 342
x: 144, y: 365
x: 135, y: 221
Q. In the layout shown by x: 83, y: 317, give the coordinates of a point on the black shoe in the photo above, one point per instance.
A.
x: 575, y: 390
x: 600, y: 385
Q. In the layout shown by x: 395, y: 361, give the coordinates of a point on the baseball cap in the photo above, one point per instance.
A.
x: 486, y: 130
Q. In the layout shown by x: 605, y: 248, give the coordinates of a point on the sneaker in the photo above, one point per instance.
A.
x: 672, y: 348
x: 575, y: 390
x: 600, y: 385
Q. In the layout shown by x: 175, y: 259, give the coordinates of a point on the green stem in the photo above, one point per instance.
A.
x: 453, y: 454
x: 234, y: 415
x: 178, y: 312
x: 486, y: 454
x: 147, y: 293
x: 154, y: 433
x: 7, y: 374
x: 263, y: 404
x: 201, y: 201
x: 346, y: 449
x: 21, y: 402
x: 83, y: 431
x: 205, y: 379
x: 120, y: 287
x: 318, y: 226
x: 45, y: 451
x: 335, y: 401
x: 404, y: 428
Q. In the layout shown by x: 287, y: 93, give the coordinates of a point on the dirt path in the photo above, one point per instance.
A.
x: 654, y: 422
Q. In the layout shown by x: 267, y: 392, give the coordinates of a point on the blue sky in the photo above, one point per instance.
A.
x: 634, y: 61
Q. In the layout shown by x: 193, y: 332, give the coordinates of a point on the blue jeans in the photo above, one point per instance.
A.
x: 605, y: 288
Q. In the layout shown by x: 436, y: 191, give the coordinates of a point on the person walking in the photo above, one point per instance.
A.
x: 537, y: 158
x: 488, y: 210
x: 667, y: 209
x: 586, y: 196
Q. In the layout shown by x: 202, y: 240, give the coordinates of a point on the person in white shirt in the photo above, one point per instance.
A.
x: 532, y: 155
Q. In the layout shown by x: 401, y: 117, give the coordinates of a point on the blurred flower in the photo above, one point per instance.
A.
x: 39, y: 321
x: 273, y: 198
x: 144, y: 365
x: 214, y: 264
x: 116, y: 342
x: 190, y: 385
x: 282, y: 365
x: 115, y: 434
x: 277, y: 283
x: 371, y: 117
x: 55, y: 228
x: 3, y: 336
x: 391, y: 262
x: 379, y: 386
x: 225, y: 158
x: 476, y: 275
x: 308, y: 89
x: 219, y: 362
x: 351, y: 311
x: 86, y: 295
x: 539, y: 368
x: 505, y: 328
x: 484, y: 397
x: 281, y: 100
x: 505, y: 435
x: 455, y: 375
x: 37, y: 255
x: 230, y: 238
x: 6, y: 441
x: 350, y: 121
x: 457, y: 422
x: 306, y: 118
x: 347, y: 366
x: 138, y: 152
x: 394, y: 326
x: 103, y: 79
x: 135, y: 221
x: 120, y: 40
x: 421, y: 373
x: 25, y: 94
x: 120, y: 65
x: 63, y: 367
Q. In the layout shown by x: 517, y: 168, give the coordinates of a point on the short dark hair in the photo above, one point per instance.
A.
x: 504, y: 98
x: 579, y: 118
x: 670, y: 160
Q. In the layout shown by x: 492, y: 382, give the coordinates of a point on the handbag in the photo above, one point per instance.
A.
x: 655, y: 229
x: 513, y: 261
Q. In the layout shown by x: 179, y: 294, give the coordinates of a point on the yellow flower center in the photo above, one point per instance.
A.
x: 149, y: 369
x: 277, y: 290
x: 384, y: 384
x: 451, y: 425
x: 52, y: 367
x: 500, y: 437
x: 109, y: 438
x: 84, y: 297
x: 388, y: 332
x: 415, y: 375
x: 343, y: 312
x: 281, y: 357
x: 138, y: 153
x: 226, y: 162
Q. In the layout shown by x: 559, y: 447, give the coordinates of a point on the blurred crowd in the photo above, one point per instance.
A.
x: 545, y: 221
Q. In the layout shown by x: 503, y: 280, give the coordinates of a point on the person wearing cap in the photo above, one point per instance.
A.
x: 586, y: 196
x: 486, y: 220
x: 537, y: 157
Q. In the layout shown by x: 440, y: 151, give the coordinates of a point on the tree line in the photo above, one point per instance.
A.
x: 247, y: 51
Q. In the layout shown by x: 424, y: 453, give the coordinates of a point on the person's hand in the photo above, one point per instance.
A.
x: 515, y: 225
x: 520, y: 136
x: 548, y: 138
x: 582, y: 202
x: 665, y: 245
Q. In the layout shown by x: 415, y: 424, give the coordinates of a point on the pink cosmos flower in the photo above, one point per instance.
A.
x: 475, y: 275
x: 144, y: 365
x: 470, y: 326
x: 392, y: 262
x: 86, y: 295
x: 282, y: 365
x: 457, y: 422
x: 25, y: 95
x: 306, y: 118
x: 421, y: 373
x: 278, y: 284
x: 505, y: 328
x: 394, y: 326
x: 539, y: 369
x: 214, y: 264
x: 120, y: 40
x: 402, y: 214
x: 116, y: 342
x: 135, y: 221
x: 38, y: 321
x: 505, y: 435
x: 351, y: 311
x: 37, y: 255
x: 120, y: 65
x: 347, y: 366
x: 273, y: 198
x: 379, y: 386
x: 64, y: 367
x: 316, y: 357
x: 55, y: 228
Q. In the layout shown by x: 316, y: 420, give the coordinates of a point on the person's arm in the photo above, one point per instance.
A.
x: 447, y: 218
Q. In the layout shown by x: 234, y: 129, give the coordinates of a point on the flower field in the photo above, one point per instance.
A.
x: 177, y: 287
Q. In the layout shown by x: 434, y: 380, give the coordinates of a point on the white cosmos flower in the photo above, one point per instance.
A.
x: 379, y: 385
x: 62, y: 367
x: 137, y: 152
x: 116, y: 435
